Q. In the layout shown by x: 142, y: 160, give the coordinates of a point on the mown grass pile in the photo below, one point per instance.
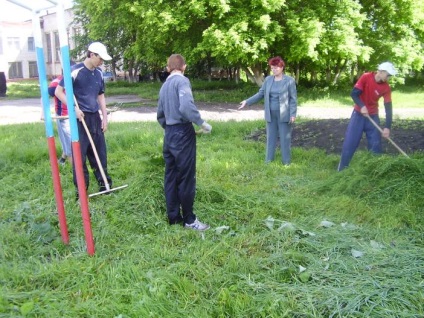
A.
x: 297, y: 241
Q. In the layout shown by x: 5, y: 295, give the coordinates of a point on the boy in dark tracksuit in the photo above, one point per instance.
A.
x: 176, y: 114
x: 89, y: 88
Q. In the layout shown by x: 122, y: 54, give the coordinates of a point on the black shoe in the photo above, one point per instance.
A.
x: 61, y: 161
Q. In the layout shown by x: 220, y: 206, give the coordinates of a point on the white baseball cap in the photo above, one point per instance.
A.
x: 99, y: 48
x: 388, y: 67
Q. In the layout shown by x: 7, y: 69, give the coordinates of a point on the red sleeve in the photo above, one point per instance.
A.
x: 387, y: 96
x: 360, y: 84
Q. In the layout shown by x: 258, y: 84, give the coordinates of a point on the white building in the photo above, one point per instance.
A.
x: 17, y: 50
x: 51, y: 44
x: 18, y: 58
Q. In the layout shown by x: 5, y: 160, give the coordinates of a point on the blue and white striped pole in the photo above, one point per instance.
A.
x: 76, y: 149
x: 42, y: 76
x: 64, y: 52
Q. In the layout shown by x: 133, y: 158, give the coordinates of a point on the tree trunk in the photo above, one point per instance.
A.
x: 133, y: 68
x: 352, y: 73
x: 297, y: 74
x: 249, y: 75
x: 237, y: 74
x: 340, y: 68
x: 328, y: 75
x: 114, y: 70
x: 254, y: 74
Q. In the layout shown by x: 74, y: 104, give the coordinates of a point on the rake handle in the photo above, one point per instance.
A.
x: 99, y: 164
x: 388, y: 138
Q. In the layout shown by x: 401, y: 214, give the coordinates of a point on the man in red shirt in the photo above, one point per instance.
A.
x: 367, y: 91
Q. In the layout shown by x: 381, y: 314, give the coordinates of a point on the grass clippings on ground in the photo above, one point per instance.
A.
x: 297, y: 241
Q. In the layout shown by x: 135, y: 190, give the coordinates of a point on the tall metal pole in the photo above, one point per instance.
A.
x: 76, y: 149
x: 49, y: 127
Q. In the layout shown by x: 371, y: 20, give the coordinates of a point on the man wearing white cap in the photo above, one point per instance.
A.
x: 89, y: 89
x: 366, y: 93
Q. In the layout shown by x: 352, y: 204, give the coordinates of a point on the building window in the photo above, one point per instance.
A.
x: 33, y: 70
x: 56, y: 47
x: 15, y: 70
x: 76, y: 34
x: 31, y: 44
x: 13, y: 43
x: 49, y: 48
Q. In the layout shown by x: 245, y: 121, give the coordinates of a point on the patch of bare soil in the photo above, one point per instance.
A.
x: 328, y: 134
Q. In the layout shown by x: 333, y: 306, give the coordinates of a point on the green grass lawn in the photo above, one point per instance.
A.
x: 297, y: 241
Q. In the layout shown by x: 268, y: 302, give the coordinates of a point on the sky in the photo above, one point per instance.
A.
x: 11, y: 12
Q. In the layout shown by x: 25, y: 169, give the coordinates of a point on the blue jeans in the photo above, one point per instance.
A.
x: 359, y: 124
x: 64, y: 132
x: 275, y: 129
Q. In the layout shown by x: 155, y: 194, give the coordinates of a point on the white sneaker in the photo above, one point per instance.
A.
x: 197, y: 225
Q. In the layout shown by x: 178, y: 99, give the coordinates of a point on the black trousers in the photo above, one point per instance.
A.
x: 179, y: 152
x: 94, y: 124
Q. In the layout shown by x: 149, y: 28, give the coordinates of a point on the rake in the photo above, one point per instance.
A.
x: 388, y: 138
x: 99, y: 164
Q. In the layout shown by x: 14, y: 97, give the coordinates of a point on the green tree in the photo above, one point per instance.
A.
x: 242, y: 34
x: 231, y: 33
x: 110, y: 22
x: 395, y: 30
x: 320, y: 40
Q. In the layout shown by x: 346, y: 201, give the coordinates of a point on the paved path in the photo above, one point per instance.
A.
x: 29, y: 111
